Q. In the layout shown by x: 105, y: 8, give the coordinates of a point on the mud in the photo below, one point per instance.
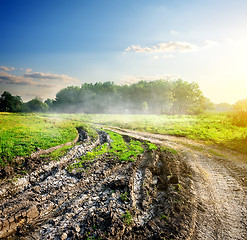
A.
x: 190, y: 195
x: 219, y: 186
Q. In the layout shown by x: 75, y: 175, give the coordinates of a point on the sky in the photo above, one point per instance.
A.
x: 48, y: 45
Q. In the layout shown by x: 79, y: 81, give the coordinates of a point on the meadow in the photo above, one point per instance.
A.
x: 213, y: 128
x: 22, y: 134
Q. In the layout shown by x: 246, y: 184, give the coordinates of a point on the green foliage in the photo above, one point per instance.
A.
x: 188, y: 98
x: 55, y: 155
x: 168, y: 150
x: 9, y: 103
x: 154, y: 97
x: 118, y: 148
x: 35, y: 105
x: 145, y: 107
x: 160, y: 96
x: 88, y: 128
x: 127, y: 218
x: 211, y: 127
x: 98, y: 151
x: 223, y: 107
x: 151, y: 146
x: 124, y: 196
x: 164, y: 217
x: 124, y: 151
x: 239, y: 118
x: 241, y: 105
x: 22, y: 134
x: 49, y: 102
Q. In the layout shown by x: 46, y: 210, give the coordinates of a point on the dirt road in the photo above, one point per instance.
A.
x: 199, y: 193
x: 219, y: 186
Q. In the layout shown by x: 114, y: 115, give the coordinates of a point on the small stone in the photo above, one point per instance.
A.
x: 32, y: 212
x: 64, y: 236
x: 77, y: 228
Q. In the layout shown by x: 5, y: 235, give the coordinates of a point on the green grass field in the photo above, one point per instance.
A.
x: 212, y: 128
x: 21, y: 134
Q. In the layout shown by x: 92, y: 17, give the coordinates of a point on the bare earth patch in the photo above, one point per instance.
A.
x: 196, y: 194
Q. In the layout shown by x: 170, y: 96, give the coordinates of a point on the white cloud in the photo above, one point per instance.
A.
x: 7, y: 68
x: 164, y: 47
x: 36, y: 79
x: 49, y: 76
x: 134, y: 79
x: 26, y: 70
x: 171, y: 47
x: 7, y: 78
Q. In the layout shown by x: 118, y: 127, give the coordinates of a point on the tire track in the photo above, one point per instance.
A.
x: 219, y: 187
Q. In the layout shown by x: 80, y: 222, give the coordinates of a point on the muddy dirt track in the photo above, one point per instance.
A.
x: 199, y: 193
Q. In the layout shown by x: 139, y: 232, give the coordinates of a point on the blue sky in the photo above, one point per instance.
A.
x: 48, y: 45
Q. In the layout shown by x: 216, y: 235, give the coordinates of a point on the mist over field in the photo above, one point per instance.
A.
x: 156, y: 97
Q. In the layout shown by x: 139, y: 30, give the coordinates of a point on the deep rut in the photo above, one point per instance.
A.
x: 191, y: 195
x: 219, y: 186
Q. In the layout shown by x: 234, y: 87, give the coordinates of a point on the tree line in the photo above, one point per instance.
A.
x: 150, y: 97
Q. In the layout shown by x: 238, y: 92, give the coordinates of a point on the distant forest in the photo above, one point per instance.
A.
x: 148, y: 97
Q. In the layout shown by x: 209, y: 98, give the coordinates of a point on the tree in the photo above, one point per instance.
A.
x: 160, y: 96
x: 35, y: 105
x: 223, y: 107
x: 9, y: 103
x: 68, y: 99
x: 145, y: 107
x: 240, y: 116
x: 49, y: 102
x: 241, y: 105
x: 188, y: 98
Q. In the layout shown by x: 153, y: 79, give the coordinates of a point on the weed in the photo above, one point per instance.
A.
x: 177, y: 187
x: 151, y: 146
x: 127, y: 218
x: 55, y: 155
x: 164, y: 217
x: 168, y: 150
x: 124, y: 196
x: 122, y: 150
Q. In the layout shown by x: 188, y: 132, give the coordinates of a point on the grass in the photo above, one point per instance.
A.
x: 168, y: 150
x: 118, y: 149
x: 122, y: 150
x: 151, y: 146
x: 55, y: 155
x: 22, y: 134
x: 164, y: 217
x: 213, y: 128
x: 127, y: 218
x: 124, y: 196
